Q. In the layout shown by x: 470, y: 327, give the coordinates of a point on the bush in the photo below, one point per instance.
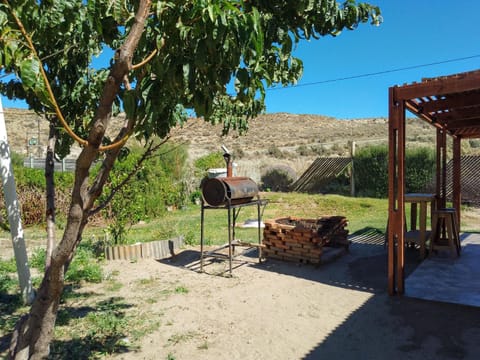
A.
x: 419, y: 169
x: 371, y: 170
x: 303, y: 150
x: 31, y: 189
x: 275, y: 152
x: 278, y: 178
x: 158, y: 184
x: 474, y: 143
x: 210, y: 161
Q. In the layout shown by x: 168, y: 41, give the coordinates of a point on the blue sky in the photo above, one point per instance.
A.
x: 414, y: 33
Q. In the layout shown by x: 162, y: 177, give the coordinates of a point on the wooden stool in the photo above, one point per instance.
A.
x: 445, y: 232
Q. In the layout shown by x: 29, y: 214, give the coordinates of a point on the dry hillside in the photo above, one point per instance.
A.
x: 287, y: 139
x: 294, y: 140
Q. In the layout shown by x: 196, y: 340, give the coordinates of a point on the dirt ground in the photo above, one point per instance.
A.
x: 279, y: 310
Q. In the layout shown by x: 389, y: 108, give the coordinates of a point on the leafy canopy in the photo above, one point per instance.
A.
x: 190, y: 51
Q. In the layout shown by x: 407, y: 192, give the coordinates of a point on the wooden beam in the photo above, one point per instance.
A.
x: 451, y: 102
x: 461, y: 123
x: 465, y: 134
x: 471, y: 113
x: 458, y: 83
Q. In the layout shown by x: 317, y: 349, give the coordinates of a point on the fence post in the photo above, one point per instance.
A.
x: 352, y: 172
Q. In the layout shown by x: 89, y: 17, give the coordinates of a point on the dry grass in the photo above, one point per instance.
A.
x: 293, y: 140
x: 281, y: 138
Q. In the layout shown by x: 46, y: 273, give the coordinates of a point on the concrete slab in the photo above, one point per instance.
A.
x: 444, y: 278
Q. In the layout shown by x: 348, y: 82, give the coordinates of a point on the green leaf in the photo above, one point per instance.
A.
x: 129, y: 104
x: 211, y: 12
x: 29, y: 72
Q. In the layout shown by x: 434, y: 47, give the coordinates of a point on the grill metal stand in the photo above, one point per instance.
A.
x: 233, y: 211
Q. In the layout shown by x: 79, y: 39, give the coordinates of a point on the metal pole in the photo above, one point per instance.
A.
x: 259, y: 233
x: 202, y: 220
x: 229, y: 237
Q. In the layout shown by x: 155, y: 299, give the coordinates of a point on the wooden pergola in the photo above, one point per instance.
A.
x: 452, y: 105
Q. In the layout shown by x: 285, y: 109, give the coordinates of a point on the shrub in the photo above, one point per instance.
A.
x: 419, y: 169
x: 238, y: 153
x: 278, y: 178
x: 210, y: 161
x: 474, y: 143
x: 275, y: 152
x: 31, y: 188
x: 371, y: 170
x: 158, y: 184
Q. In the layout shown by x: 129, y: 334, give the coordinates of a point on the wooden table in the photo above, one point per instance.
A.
x: 421, y: 235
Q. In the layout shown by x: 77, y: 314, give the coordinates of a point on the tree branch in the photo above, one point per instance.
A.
x: 146, y: 60
x: 149, y: 152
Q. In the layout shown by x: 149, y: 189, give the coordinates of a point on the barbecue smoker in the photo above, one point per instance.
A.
x: 230, y: 193
x: 229, y: 190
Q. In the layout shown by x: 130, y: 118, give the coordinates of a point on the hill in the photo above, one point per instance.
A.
x: 293, y: 140
x: 288, y: 139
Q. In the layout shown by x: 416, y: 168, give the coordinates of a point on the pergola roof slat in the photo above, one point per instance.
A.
x: 449, y: 102
x: 452, y: 102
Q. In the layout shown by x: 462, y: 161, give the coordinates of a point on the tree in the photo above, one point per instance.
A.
x: 169, y: 57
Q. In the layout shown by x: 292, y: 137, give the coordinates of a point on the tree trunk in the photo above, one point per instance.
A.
x: 33, y: 333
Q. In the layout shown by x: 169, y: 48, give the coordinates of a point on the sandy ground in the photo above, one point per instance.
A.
x: 277, y: 310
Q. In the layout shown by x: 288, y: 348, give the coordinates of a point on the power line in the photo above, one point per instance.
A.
x: 375, y: 73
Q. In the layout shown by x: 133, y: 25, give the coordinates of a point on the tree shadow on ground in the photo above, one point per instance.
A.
x: 383, y: 326
x: 9, y: 305
x: 105, y: 330
x: 88, y: 347
x: 388, y: 326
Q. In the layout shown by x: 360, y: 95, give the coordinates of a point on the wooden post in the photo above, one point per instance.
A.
x: 441, y: 176
x: 457, y: 168
x: 396, y: 194
x: 352, y: 172
x: 13, y: 210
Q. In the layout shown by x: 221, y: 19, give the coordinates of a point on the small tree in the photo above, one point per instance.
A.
x: 168, y: 56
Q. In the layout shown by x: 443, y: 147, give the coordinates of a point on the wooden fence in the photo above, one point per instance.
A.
x: 322, y: 170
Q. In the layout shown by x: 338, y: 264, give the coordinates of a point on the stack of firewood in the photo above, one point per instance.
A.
x: 304, y: 240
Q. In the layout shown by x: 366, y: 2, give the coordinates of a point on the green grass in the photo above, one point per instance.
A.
x: 360, y: 212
